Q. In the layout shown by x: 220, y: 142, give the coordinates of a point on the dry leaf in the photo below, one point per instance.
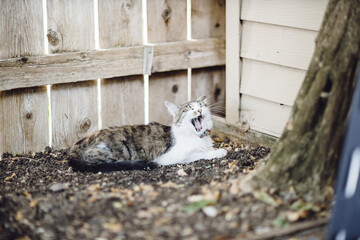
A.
x: 113, y: 227
x: 168, y: 184
x: 266, y: 198
x: 57, y: 187
x: 232, y: 163
x: 26, y: 194
x: 19, y: 216
x: 34, y: 203
x: 10, y: 178
x: 181, y: 172
x: 94, y: 187
x: 294, y: 216
x: 26, y: 237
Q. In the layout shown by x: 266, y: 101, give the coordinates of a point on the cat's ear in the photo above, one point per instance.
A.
x: 172, y: 108
x: 202, y: 99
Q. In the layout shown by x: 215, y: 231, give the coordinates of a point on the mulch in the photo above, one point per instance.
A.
x: 41, y: 197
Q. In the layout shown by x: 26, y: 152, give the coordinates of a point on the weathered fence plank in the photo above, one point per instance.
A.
x: 210, y: 82
x: 122, y: 98
x: 23, y: 112
x: 166, y: 22
x: 23, y: 120
x: 74, y: 112
x: 70, y: 25
x: 169, y: 86
x: 207, y: 18
x: 107, y: 63
x: 74, y: 106
x: 125, y: 27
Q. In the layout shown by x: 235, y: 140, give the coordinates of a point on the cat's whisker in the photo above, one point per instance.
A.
x: 113, y: 148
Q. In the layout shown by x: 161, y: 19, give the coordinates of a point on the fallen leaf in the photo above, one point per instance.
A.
x: 181, y: 172
x: 113, y: 227
x: 26, y: 237
x: 26, y: 194
x: 57, y: 187
x: 171, y: 184
x: 196, y: 206
x: 94, y: 187
x: 117, y: 205
x: 19, y: 216
x: 301, y: 205
x: 34, y: 203
x: 294, y: 216
x: 280, y: 222
x: 266, y: 198
x: 10, y: 178
x: 232, y: 163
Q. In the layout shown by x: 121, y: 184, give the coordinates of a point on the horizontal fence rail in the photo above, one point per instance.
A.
x: 34, y: 71
x: 71, y: 67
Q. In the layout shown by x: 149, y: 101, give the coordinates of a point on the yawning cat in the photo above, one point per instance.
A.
x: 145, y: 146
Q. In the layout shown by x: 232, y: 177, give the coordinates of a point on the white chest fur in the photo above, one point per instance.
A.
x: 189, y: 147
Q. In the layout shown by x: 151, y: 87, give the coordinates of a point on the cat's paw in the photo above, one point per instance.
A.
x: 221, y: 153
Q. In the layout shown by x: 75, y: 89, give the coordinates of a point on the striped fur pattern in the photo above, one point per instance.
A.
x: 146, y: 146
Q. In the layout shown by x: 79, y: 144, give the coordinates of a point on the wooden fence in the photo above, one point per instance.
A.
x: 70, y: 67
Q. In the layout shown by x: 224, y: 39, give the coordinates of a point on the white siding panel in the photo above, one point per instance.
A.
x: 233, y: 64
x: 305, y: 14
x: 279, y: 45
x: 271, y: 82
x: 264, y: 116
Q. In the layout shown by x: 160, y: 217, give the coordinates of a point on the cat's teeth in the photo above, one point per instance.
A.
x: 197, y: 123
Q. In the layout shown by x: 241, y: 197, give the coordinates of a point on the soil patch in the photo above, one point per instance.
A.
x: 41, y: 197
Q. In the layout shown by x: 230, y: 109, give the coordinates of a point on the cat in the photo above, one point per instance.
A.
x: 147, y: 146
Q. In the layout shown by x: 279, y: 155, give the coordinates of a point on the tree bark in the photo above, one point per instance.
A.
x: 306, y: 155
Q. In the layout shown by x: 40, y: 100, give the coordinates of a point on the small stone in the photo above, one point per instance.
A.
x: 57, y: 187
x: 210, y: 211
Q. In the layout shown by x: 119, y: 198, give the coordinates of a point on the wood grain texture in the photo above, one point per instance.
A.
x: 74, y: 112
x: 74, y: 106
x: 125, y: 61
x: 166, y: 20
x: 169, y: 86
x: 21, y: 28
x: 276, y: 44
x: 306, y: 14
x: 70, y: 25
x: 23, y: 112
x: 23, y: 120
x: 210, y: 82
x: 264, y: 116
x: 122, y: 101
x: 120, y: 23
x: 207, y: 18
x: 191, y: 54
x: 271, y: 82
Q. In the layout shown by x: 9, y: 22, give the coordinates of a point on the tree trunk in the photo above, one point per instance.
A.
x: 306, y: 156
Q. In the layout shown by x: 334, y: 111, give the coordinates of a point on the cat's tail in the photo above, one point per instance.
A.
x: 84, y: 166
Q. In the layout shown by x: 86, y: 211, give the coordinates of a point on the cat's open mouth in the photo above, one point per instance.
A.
x: 197, y: 123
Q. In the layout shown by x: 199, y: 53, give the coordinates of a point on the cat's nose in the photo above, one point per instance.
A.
x: 199, y: 110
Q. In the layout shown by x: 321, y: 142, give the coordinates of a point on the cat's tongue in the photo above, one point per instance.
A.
x: 197, y: 124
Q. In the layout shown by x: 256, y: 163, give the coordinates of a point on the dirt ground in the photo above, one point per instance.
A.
x: 41, y: 197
